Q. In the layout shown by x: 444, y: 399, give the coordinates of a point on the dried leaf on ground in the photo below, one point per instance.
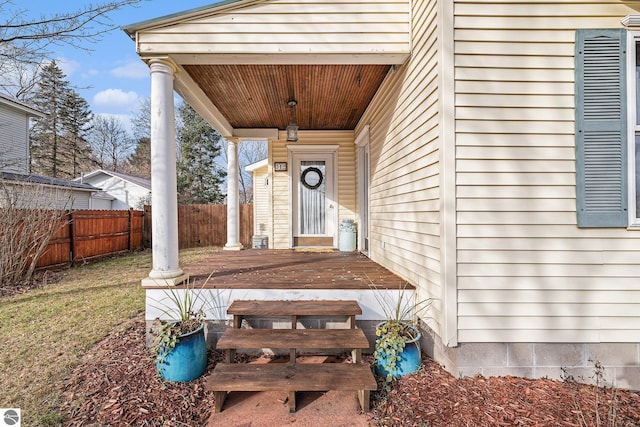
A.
x: 116, y: 384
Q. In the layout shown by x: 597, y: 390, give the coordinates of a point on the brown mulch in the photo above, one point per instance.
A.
x: 116, y: 384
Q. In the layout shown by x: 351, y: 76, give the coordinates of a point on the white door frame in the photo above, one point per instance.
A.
x: 362, y: 142
x: 328, y: 153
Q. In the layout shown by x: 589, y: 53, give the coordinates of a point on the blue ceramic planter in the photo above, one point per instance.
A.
x: 188, y: 360
x: 410, y: 360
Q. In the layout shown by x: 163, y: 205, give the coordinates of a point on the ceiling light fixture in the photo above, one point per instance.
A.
x: 292, y: 128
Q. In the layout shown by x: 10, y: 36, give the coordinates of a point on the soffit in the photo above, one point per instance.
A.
x: 329, y: 97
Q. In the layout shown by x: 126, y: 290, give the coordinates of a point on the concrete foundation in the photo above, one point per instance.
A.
x: 621, y: 361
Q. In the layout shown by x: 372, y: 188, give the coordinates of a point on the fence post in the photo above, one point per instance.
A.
x: 130, y: 236
x: 72, y: 240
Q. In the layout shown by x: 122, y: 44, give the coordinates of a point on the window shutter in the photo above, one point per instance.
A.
x: 601, y: 128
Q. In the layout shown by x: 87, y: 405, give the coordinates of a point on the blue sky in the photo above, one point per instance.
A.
x: 111, y: 77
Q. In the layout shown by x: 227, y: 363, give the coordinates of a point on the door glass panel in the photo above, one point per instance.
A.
x: 312, y: 197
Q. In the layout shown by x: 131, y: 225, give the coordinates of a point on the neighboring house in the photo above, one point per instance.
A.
x: 261, y: 207
x: 27, y: 189
x: 119, y: 191
x: 486, y: 149
x: 14, y: 135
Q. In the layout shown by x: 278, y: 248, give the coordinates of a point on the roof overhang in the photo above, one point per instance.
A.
x: 257, y: 165
x: 17, y: 105
x: 240, y: 62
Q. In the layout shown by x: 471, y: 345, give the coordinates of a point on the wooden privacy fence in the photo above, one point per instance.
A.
x: 85, y: 235
x: 204, y: 225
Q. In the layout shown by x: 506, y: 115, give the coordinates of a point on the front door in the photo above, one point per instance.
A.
x: 314, y: 206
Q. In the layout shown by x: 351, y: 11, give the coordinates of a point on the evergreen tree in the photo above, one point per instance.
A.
x: 76, y: 121
x: 139, y: 162
x: 48, y: 146
x: 199, y: 177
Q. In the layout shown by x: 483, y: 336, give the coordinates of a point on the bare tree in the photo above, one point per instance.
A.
x: 110, y: 142
x: 30, y: 216
x: 249, y: 152
x: 141, y: 120
x: 139, y: 162
x: 25, y: 42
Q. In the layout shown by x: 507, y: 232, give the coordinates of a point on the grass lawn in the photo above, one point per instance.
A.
x: 45, y: 331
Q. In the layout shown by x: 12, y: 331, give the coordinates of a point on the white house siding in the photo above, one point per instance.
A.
x: 346, y: 176
x: 261, y: 209
x: 404, y: 166
x: 526, y: 273
x: 36, y: 196
x: 285, y: 26
x: 126, y: 194
x: 14, y: 147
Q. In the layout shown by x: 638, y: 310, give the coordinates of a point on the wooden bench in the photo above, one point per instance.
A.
x: 293, y: 376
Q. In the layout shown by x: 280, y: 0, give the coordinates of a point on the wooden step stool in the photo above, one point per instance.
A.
x: 292, y: 376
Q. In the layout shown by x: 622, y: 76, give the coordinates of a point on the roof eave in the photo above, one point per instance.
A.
x: 131, y: 29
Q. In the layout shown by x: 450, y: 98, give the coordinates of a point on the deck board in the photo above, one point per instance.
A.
x: 285, y: 376
x: 296, y: 338
x: 295, y: 308
x: 289, y: 269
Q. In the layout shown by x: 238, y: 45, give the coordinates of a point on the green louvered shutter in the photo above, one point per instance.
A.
x: 601, y: 128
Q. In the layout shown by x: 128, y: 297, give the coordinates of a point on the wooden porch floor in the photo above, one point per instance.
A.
x: 290, y: 269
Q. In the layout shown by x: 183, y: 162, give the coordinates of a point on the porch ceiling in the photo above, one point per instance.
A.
x: 329, y: 97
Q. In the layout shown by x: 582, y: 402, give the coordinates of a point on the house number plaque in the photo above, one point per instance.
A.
x: 280, y: 166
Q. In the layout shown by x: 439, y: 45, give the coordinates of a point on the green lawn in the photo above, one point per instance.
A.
x: 44, y: 332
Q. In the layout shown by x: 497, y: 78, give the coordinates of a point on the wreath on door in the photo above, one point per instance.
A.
x: 308, y: 184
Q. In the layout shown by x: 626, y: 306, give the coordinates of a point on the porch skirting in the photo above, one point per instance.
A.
x: 529, y: 360
x: 539, y: 360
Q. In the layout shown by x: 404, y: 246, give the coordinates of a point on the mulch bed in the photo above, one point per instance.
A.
x: 116, y: 384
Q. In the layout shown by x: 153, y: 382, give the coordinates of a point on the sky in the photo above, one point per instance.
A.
x: 109, y: 74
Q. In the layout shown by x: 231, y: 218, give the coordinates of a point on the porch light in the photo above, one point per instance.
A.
x: 292, y: 128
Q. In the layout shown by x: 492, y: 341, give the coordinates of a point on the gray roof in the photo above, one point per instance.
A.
x: 45, y: 180
x: 19, y: 105
x: 140, y: 182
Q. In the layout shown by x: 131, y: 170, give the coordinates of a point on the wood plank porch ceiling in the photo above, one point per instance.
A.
x: 288, y: 269
x: 330, y: 97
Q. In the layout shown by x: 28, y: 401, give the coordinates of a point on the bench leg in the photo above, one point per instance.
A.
x: 220, y: 397
x: 292, y: 401
x: 364, y: 396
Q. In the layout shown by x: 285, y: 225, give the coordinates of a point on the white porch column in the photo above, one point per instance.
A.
x: 233, y: 197
x: 164, y: 198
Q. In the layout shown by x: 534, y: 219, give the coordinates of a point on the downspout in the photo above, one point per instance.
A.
x: 448, y: 215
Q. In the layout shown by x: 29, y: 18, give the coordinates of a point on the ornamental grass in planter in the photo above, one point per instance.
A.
x: 397, y: 348
x: 179, y: 347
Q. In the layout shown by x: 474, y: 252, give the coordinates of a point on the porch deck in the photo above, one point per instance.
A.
x: 291, y: 269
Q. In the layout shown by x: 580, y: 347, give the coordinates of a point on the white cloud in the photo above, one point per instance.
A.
x: 116, y: 98
x: 68, y: 66
x: 133, y: 69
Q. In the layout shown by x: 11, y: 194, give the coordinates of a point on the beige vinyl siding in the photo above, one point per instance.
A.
x: 284, y: 26
x: 280, y: 197
x: 14, y: 147
x: 525, y: 271
x: 404, y: 166
x: 346, y: 179
x: 261, y: 208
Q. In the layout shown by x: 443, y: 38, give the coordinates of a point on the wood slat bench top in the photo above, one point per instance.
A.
x: 293, y: 338
x: 294, y: 308
x: 291, y: 377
